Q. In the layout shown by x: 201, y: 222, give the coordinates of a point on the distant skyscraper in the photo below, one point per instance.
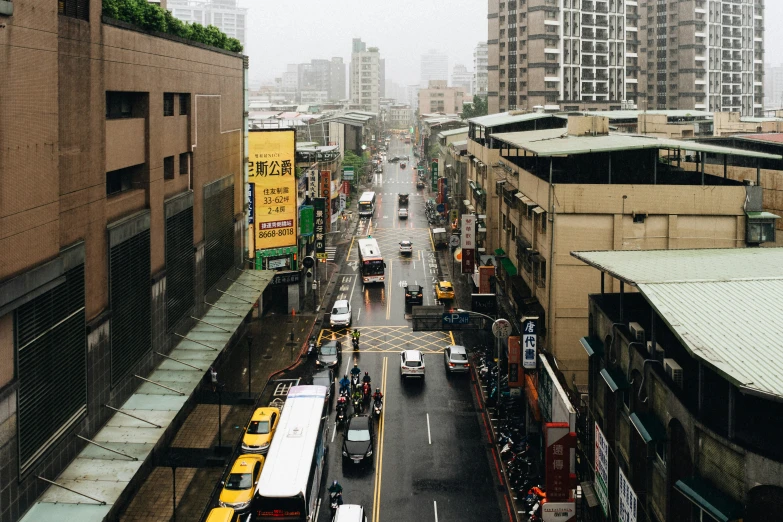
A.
x: 480, y: 69
x: 337, y: 79
x: 462, y: 77
x: 382, y: 77
x: 223, y: 14
x: 365, y: 76
x: 434, y: 66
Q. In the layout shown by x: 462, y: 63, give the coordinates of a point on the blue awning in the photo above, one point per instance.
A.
x: 715, y: 502
x: 615, y: 379
x: 592, y: 345
x: 648, y: 426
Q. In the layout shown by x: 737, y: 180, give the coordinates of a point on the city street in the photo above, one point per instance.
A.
x: 430, y: 461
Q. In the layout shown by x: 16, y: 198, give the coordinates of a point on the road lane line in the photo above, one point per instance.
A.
x: 435, y: 503
x: 334, y: 431
x: 432, y: 241
x: 452, y: 337
x: 349, y: 248
x: 429, y: 436
x: 376, y: 505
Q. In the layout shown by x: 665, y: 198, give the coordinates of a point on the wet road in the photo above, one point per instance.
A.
x: 430, y: 462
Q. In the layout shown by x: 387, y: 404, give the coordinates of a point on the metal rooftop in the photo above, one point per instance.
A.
x: 634, y: 114
x: 504, y: 118
x: 768, y: 138
x: 452, y: 132
x: 557, y: 142
x: 701, y: 293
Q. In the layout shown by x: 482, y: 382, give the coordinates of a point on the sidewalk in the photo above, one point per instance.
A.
x: 279, y: 341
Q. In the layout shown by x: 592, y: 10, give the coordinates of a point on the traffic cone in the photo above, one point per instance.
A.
x: 293, y: 312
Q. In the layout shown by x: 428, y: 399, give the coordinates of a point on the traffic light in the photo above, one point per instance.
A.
x: 308, y: 262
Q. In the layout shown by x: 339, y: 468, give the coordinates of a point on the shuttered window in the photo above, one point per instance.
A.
x: 51, y: 340
x: 74, y: 8
x: 130, y: 295
x: 180, y: 258
x: 219, y: 235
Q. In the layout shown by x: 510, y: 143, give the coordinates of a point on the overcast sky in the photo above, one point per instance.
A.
x: 296, y: 31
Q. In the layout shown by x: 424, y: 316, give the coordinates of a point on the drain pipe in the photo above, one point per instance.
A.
x: 551, y: 219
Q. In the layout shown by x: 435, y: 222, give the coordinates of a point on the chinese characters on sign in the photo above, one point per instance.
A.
x: 628, y: 500
x: 515, y: 376
x: 529, y: 340
x: 326, y: 193
x: 560, y: 441
x: 468, y: 243
x: 251, y: 211
x: 285, y: 278
x: 306, y: 213
x: 320, y: 227
x: 602, y: 469
x: 434, y: 180
x: 271, y: 174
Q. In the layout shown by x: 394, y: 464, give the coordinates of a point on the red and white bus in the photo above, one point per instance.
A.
x: 371, y: 261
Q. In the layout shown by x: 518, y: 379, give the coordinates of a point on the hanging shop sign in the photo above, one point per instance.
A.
x: 559, y: 461
x: 306, y: 224
x: 628, y: 499
x: 515, y: 373
x: 602, y: 469
x: 553, y: 401
x: 271, y: 157
x: 319, y: 204
x: 326, y: 193
x: 529, y: 342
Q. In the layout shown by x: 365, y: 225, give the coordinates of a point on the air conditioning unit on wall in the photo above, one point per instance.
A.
x: 659, y: 354
x: 674, y: 371
x: 637, y: 332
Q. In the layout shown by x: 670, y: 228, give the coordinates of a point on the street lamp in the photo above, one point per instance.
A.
x: 501, y: 329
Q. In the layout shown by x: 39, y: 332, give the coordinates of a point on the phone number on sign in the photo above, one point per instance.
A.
x: 264, y: 234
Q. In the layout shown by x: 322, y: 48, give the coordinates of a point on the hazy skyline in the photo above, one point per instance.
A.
x: 286, y: 32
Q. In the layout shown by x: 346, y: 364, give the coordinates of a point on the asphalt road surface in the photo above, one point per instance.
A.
x: 430, y: 462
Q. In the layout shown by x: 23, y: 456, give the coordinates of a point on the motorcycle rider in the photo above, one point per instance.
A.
x: 336, y: 488
x: 344, y: 384
x: 377, y: 396
x: 356, y: 334
x: 336, y: 494
x: 357, y: 400
x: 366, y: 378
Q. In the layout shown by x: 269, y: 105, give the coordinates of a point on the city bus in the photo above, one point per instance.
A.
x: 290, y: 479
x: 371, y: 262
x: 367, y: 204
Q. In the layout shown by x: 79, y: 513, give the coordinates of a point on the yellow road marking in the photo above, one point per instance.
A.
x: 451, y: 334
x: 320, y: 336
x: 349, y: 248
x: 432, y: 241
x: 376, y: 504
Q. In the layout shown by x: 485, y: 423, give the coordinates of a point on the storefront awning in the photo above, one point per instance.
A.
x: 709, y: 498
x: 508, y: 266
x: 480, y: 193
x: 615, y: 379
x: 592, y: 345
x: 538, y: 210
x: 500, y: 252
x: 527, y: 201
x: 648, y: 426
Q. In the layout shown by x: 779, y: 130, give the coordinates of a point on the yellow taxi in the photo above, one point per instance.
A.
x: 259, y: 433
x: 221, y: 514
x: 444, y: 290
x: 240, y: 485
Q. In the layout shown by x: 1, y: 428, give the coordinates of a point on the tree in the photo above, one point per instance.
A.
x: 475, y: 109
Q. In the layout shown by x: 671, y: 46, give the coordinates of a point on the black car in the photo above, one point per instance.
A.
x: 394, y: 159
x: 329, y: 354
x: 325, y: 377
x: 359, y: 439
x: 413, y: 295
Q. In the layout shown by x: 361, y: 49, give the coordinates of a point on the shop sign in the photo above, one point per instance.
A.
x: 552, y: 398
x: 628, y: 499
x: 285, y: 278
x: 251, y: 203
x: 277, y: 263
x: 326, y: 193
x: 306, y: 215
x: 434, y: 174
x: 558, y: 512
x: 485, y: 273
x: 319, y: 204
x: 468, y: 261
x: 485, y: 304
x: 529, y: 341
x: 348, y: 173
x: 468, y: 231
x: 602, y: 469
x: 515, y: 373
x: 559, y: 461
x: 271, y: 156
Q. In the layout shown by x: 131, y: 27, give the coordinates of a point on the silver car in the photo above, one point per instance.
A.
x: 455, y: 358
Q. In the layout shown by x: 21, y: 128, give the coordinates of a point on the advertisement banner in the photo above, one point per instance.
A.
x: 485, y: 273
x: 560, y: 443
x: 251, y: 203
x: 325, y: 191
x: 434, y: 172
x: 485, y: 304
x: 515, y: 375
x: 529, y: 340
x: 319, y: 205
x: 468, y: 261
x: 602, y: 469
x: 271, y: 171
x: 306, y: 214
x: 468, y: 231
x: 628, y: 499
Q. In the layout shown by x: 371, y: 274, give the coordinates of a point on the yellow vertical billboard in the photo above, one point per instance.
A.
x: 271, y: 176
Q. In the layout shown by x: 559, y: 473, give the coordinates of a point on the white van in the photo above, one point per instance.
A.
x: 350, y: 513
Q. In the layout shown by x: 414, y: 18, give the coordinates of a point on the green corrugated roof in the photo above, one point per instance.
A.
x: 557, y: 142
x: 762, y: 215
x: 508, y: 266
x: 718, y: 504
x: 724, y: 305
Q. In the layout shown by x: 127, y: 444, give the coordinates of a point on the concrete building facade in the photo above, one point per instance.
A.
x: 365, y: 77
x: 438, y: 98
x: 463, y: 78
x: 480, y: 58
x: 223, y: 14
x: 121, y: 206
x: 434, y: 66
x: 337, y: 79
x: 400, y: 116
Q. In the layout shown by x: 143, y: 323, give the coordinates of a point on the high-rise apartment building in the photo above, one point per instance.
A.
x: 480, y: 69
x: 703, y: 54
x: 463, y: 78
x: 365, y: 76
x: 337, y: 79
x: 434, y: 66
x: 609, y: 54
x: 223, y: 14
x: 773, y: 87
x: 382, y: 76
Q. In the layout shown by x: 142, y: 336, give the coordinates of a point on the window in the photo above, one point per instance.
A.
x: 168, y: 167
x: 124, y: 105
x: 184, y: 105
x: 660, y: 451
x: 639, y: 217
x: 168, y: 104
x: 541, y: 272
x: 184, y: 163
x: 543, y: 222
x: 513, y: 232
x: 121, y: 180
x: 74, y: 8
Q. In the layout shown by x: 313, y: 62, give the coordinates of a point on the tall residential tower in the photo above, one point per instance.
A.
x: 365, y: 76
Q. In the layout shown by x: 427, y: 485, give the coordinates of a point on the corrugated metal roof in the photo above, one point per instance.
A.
x: 724, y: 305
x: 452, y: 132
x: 769, y: 138
x: 634, y: 115
x: 557, y: 142
x: 503, y: 118
x: 755, y: 119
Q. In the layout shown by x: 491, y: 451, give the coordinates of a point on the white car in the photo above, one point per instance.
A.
x: 406, y: 247
x: 412, y: 364
x: 402, y: 213
x: 341, y: 314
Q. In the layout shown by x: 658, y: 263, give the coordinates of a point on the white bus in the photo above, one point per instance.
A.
x: 290, y: 480
x: 371, y: 262
x: 367, y: 204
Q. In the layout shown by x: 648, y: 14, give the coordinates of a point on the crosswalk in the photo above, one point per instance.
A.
x: 331, y: 253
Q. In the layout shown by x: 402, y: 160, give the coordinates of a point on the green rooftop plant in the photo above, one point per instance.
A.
x: 152, y: 17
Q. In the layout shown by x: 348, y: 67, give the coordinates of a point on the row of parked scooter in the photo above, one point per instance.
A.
x: 515, y: 452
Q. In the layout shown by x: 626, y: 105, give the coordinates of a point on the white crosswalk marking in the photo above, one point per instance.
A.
x: 330, y: 253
